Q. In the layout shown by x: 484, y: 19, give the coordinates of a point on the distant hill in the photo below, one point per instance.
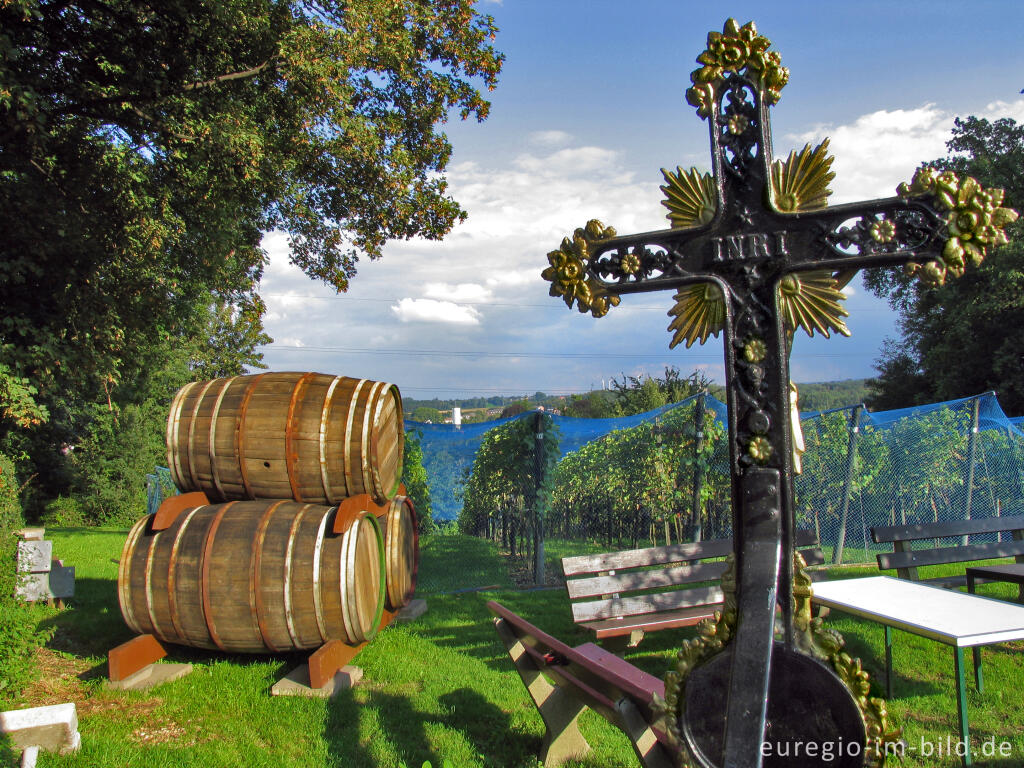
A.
x: 824, y: 395
x: 814, y: 396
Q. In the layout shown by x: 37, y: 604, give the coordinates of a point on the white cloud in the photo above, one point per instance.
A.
x: 569, y: 162
x: 432, y: 311
x: 550, y: 138
x: 877, y: 151
x: 463, y: 292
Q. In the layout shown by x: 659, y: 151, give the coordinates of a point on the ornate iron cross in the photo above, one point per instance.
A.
x: 755, y: 251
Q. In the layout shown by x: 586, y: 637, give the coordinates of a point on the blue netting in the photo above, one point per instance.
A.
x: 158, y: 487
x: 636, y: 477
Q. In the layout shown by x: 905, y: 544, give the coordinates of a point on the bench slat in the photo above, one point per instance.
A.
x: 886, y: 534
x: 600, y: 685
x: 582, y: 565
x: 944, y: 555
x: 633, y: 606
x: 632, y: 581
x: 652, y: 622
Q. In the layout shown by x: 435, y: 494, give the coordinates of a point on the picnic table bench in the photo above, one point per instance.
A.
x: 905, y: 559
x: 620, y: 596
x: 563, y: 681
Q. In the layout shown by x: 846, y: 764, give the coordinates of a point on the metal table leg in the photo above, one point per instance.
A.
x: 976, y: 651
x: 961, y: 702
x: 888, y: 661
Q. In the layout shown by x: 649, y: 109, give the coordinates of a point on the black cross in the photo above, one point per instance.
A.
x: 747, y: 248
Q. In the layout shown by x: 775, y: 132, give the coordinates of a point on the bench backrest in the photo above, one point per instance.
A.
x: 593, y: 682
x: 635, y: 582
x: 906, y: 560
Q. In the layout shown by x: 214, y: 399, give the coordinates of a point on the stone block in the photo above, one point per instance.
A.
x: 53, y: 728
x: 412, y: 611
x: 296, y: 683
x: 34, y: 556
x: 151, y: 676
x: 58, y: 583
x: 32, y: 534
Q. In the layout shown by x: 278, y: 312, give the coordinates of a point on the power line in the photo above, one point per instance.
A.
x: 548, y: 305
x: 689, y: 356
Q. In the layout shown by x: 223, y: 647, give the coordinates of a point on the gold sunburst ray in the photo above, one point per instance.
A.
x: 800, y: 182
x: 699, y: 312
x: 811, y: 300
x: 690, y: 197
x: 808, y: 300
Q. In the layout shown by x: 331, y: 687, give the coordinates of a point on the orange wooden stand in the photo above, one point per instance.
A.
x: 333, y: 655
x: 130, y: 657
x: 173, y: 506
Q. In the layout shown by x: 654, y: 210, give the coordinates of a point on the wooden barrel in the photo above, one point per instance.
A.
x: 255, y: 577
x: 401, y: 551
x: 309, y: 437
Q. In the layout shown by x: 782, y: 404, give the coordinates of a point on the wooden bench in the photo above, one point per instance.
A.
x: 906, y: 560
x: 563, y: 681
x: 620, y: 596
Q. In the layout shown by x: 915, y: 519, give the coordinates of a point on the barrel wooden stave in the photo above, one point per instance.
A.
x: 253, y: 577
x: 402, y: 553
x: 308, y: 437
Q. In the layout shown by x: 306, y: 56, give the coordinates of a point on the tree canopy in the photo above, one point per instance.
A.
x: 145, y: 148
x: 965, y: 337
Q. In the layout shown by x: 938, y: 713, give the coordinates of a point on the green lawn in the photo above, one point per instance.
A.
x: 438, y: 689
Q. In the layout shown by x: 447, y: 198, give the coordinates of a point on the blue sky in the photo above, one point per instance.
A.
x: 589, y: 108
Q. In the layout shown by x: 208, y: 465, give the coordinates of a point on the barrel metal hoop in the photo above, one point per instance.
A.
x: 192, y: 436
x: 400, y: 437
x: 291, y: 452
x: 288, y: 618
x: 256, y: 605
x: 240, y: 432
x: 124, y: 573
x: 317, y: 551
x: 325, y: 414
x: 382, y: 581
x: 205, y: 578
x: 350, y: 627
x: 173, y: 430
x: 213, y: 437
x: 372, y: 399
x: 350, y: 417
x: 172, y: 570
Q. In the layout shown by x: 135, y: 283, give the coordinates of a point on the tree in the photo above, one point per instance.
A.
x: 426, y: 414
x: 965, y: 337
x: 414, y: 476
x: 144, y: 148
x: 638, y: 395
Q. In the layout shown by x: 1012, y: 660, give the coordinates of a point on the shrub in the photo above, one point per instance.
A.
x: 18, y: 634
x: 64, y: 512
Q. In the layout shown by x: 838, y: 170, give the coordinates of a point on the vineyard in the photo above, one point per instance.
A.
x: 663, y: 476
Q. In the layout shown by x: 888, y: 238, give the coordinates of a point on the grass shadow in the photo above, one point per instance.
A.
x: 466, y: 720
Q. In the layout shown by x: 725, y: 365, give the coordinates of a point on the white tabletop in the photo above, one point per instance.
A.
x: 949, y: 616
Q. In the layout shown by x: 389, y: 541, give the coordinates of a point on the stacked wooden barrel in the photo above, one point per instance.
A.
x: 294, y: 532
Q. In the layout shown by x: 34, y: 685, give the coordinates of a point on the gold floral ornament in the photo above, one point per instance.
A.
x: 975, y: 221
x: 690, y: 197
x: 568, y: 271
x: 760, y: 449
x: 800, y: 183
x: 740, y: 50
